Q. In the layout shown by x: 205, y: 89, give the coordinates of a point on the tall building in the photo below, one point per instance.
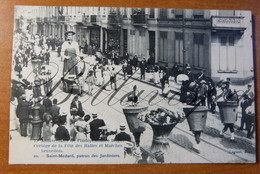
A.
x: 217, y: 41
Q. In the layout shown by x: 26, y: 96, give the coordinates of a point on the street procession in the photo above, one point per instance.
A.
x: 166, y: 103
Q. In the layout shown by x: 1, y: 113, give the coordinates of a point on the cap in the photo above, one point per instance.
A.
x: 68, y: 32
x: 162, y: 114
x: 94, y: 115
x: 203, y: 82
x: 122, y: 127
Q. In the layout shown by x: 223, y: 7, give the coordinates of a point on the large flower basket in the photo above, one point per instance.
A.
x: 160, y: 136
x: 228, y: 111
x: 196, y: 117
x: 131, y: 115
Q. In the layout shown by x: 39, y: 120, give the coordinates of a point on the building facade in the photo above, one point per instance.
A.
x: 217, y: 41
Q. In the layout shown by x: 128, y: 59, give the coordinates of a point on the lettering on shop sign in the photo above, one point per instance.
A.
x: 150, y: 97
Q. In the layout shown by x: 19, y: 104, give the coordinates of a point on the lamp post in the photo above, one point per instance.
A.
x: 36, y: 123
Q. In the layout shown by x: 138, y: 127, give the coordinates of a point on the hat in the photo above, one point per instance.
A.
x: 68, y: 32
x: 122, y: 127
x: 23, y: 97
x: 94, y: 115
x: 203, y: 82
x: 162, y: 114
x: 63, y: 114
x: 86, y: 118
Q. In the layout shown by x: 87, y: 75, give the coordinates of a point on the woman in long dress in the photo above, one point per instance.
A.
x: 99, y: 76
x: 156, y: 74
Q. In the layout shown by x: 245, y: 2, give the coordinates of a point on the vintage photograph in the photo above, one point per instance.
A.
x: 159, y: 85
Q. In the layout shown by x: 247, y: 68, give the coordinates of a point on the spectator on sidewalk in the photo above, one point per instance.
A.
x: 55, y: 109
x: 62, y: 133
x: 122, y: 136
x: 212, y: 93
x: 245, y: 103
x: 95, y: 124
x: 46, y: 127
x: 250, y: 123
x: 22, y: 113
x: 76, y: 107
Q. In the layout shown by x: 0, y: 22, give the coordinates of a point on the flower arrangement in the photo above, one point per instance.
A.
x: 162, y: 116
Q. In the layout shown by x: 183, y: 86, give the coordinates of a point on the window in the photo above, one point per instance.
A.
x: 163, y: 46
x: 179, y: 13
x: 124, y: 13
x: 163, y: 13
x: 132, y: 32
x: 198, y: 50
x: 227, y: 55
x: 178, y: 49
x: 151, y: 13
x: 226, y: 13
x: 141, y: 33
x: 198, y: 14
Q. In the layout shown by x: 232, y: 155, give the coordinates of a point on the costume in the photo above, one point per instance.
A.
x: 70, y: 49
x: 94, y: 128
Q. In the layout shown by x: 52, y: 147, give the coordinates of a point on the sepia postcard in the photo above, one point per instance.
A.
x: 117, y: 85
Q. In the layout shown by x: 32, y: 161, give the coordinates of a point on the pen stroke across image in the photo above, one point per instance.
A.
x: 117, y: 85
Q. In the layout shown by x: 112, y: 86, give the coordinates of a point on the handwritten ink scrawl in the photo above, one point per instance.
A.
x: 116, y: 85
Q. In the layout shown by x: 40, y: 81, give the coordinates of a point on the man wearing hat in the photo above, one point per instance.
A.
x: 94, y: 127
x: 69, y: 52
x: 22, y: 113
x: 122, y: 136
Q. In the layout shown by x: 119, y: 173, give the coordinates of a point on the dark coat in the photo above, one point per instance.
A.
x: 47, y: 103
x: 122, y: 136
x: 54, y: 110
x: 94, y: 128
x: 23, y: 110
x: 142, y: 67
x: 80, y: 111
x: 62, y: 134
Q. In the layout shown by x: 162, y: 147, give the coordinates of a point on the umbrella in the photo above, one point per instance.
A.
x: 182, y: 78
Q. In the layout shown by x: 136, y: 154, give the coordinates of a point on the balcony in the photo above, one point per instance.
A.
x: 228, y: 23
x: 114, y: 19
x: 139, y: 19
